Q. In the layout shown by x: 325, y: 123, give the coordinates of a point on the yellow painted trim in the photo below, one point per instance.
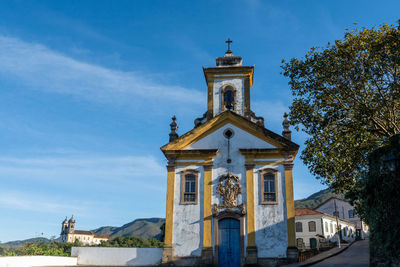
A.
x: 251, y: 241
x: 207, y: 207
x: 210, y: 72
x: 233, y: 76
x: 193, y: 157
x: 169, y: 217
x: 290, y: 205
x: 193, y: 163
x: 216, y: 123
x: 265, y: 162
x: 210, y: 100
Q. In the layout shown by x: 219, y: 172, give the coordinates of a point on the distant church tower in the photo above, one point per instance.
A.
x: 229, y: 181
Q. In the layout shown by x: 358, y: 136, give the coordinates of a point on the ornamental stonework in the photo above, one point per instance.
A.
x: 229, y: 189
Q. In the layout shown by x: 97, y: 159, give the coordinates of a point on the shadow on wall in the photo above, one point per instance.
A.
x: 270, y: 241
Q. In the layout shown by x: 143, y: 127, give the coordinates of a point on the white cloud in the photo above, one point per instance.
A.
x: 40, y: 68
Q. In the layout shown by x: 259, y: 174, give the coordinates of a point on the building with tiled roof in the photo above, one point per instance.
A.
x: 70, y: 235
x: 315, y: 228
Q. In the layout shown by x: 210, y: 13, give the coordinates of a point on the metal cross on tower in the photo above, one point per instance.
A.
x: 229, y: 41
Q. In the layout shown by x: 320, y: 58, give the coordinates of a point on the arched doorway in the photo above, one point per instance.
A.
x: 229, y: 242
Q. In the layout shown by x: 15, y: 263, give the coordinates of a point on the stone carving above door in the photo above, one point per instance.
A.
x: 229, y: 189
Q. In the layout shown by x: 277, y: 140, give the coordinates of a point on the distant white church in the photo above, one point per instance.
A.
x: 69, y: 234
x: 229, y: 181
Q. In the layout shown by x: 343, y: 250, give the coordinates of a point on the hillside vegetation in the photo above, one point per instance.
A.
x: 315, y: 199
x: 144, y: 228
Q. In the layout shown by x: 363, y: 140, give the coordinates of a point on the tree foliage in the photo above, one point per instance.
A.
x: 133, y: 242
x: 40, y: 248
x: 347, y: 99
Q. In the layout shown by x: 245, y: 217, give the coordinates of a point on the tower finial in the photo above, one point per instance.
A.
x: 229, y: 41
x: 174, y: 127
x: 286, y: 131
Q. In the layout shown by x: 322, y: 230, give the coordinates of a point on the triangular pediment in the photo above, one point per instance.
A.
x: 238, y: 121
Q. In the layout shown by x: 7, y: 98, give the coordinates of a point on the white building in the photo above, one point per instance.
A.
x: 70, y: 235
x: 315, y: 227
x: 229, y: 181
x: 344, y: 211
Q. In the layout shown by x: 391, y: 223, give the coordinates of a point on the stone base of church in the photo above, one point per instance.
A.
x: 199, y: 261
x: 207, y: 256
x: 267, y: 262
x: 251, y: 258
x: 292, y: 254
x: 186, y: 261
x: 168, y: 254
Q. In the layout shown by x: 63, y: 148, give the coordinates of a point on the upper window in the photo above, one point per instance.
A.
x: 331, y: 228
x: 299, y: 227
x: 269, y: 194
x: 312, y: 227
x: 336, y: 213
x: 326, y: 227
x: 351, y: 213
x: 189, y: 187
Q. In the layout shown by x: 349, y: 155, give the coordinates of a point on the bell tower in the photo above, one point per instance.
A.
x: 229, y: 86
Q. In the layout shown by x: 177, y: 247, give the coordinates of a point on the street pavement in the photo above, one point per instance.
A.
x: 356, y: 255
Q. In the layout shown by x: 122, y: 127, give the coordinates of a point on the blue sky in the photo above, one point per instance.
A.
x: 88, y: 89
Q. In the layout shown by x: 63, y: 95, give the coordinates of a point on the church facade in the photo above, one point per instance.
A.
x: 69, y: 234
x: 229, y: 180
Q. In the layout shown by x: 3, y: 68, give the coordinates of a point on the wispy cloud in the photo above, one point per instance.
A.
x: 272, y: 111
x: 35, y: 202
x: 86, y: 170
x: 41, y: 68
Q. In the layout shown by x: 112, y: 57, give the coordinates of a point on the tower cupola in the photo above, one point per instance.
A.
x: 228, y: 86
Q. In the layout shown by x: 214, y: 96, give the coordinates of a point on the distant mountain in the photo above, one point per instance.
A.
x: 150, y: 228
x: 18, y: 243
x: 144, y: 228
x: 317, y: 198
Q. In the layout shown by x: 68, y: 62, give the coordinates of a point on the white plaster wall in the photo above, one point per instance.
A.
x: 238, y: 84
x: 241, y: 139
x: 271, y: 223
x: 106, y: 256
x: 271, y: 235
x: 188, y: 219
x: 28, y: 261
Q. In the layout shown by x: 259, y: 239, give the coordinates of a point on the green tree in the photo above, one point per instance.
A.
x: 347, y: 99
x: 132, y: 241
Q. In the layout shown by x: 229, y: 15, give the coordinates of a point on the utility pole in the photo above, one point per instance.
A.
x: 337, y: 223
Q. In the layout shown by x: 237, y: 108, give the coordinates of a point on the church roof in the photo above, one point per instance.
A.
x: 82, y: 232
x: 230, y: 117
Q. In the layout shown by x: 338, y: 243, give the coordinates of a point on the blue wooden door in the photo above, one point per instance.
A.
x: 229, y: 243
